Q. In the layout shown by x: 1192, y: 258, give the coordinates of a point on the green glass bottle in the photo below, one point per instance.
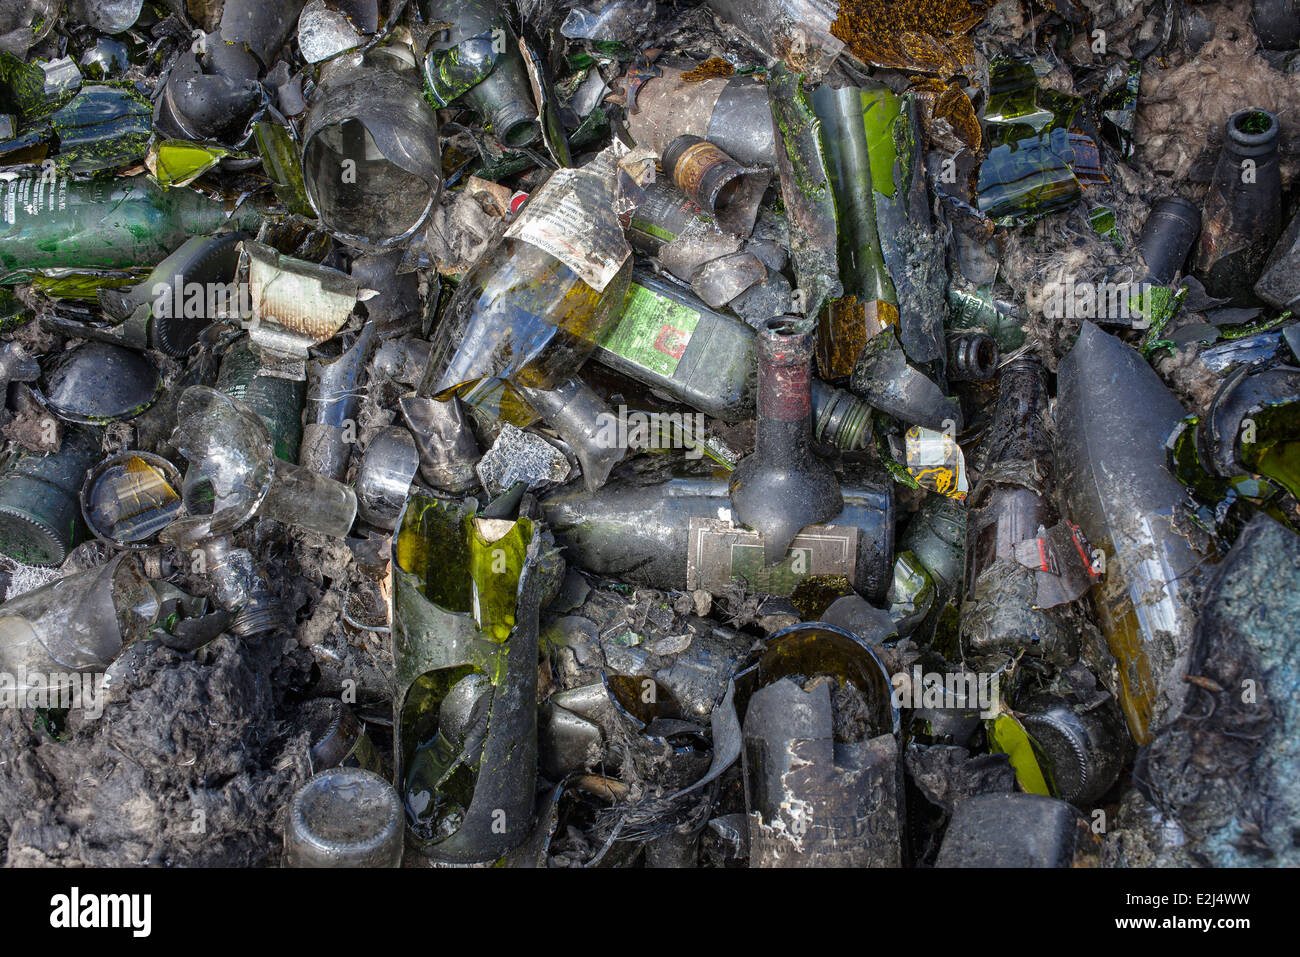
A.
x: 871, y: 301
x: 465, y: 602
x: 53, y: 221
x: 668, y: 339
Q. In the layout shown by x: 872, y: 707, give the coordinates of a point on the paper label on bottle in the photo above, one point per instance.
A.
x: 653, y: 331
x: 572, y: 217
x: 718, y: 550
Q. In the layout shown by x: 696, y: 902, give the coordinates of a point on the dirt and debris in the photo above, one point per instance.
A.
x: 191, y: 764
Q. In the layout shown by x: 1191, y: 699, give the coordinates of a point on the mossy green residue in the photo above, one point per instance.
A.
x: 799, y: 126
x: 1255, y: 122
x: 103, y: 127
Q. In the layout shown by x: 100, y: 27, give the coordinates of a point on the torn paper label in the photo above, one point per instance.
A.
x: 1062, y: 561
x: 573, y: 218
x: 935, y: 460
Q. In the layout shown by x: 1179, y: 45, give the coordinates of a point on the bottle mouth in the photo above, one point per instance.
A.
x: 786, y: 327
x: 1252, y: 128
x: 1175, y: 205
x: 983, y: 357
x: 674, y: 150
x: 844, y: 421
x: 515, y: 125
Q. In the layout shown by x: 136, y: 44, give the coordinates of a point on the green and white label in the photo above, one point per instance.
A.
x: 653, y: 331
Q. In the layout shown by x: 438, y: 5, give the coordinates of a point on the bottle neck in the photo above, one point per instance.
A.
x: 784, y: 403
x: 1020, y: 421
x: 839, y: 418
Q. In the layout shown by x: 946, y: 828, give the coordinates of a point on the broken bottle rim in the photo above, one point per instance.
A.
x: 812, y: 648
x: 233, y: 475
x: 130, y: 497
x: 369, y: 149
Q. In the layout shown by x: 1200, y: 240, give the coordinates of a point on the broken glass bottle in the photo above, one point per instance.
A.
x: 980, y: 309
x: 1243, y: 210
x: 783, y: 487
x: 186, y: 292
x: 1038, y: 163
x: 465, y: 642
x: 60, y: 222
x: 211, y: 93
x: 723, y: 188
x: 130, y: 497
x: 1253, y: 427
x: 383, y: 479
x: 338, y: 737
x: 344, y: 817
x: 277, y: 401
x: 673, y: 342
x: 806, y: 192
x: 872, y: 301
x: 333, y: 401
x: 1113, y: 416
x: 78, y: 623
x: 235, y: 583
x: 370, y: 158
x: 668, y: 99
x: 676, y: 231
x: 234, y: 475
x: 531, y: 311
x: 1081, y: 745
x: 1167, y: 238
x: 888, y: 382
x: 1279, y: 283
x: 680, y: 535
x: 823, y: 780
x: 102, y: 128
x: 445, y: 441
x: 583, y: 420
x: 1011, y: 504
x: 1012, y: 830
x: 799, y: 32
x: 877, y: 140
x: 936, y: 535
x: 476, y: 60
x: 1277, y: 23
x: 40, y: 519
